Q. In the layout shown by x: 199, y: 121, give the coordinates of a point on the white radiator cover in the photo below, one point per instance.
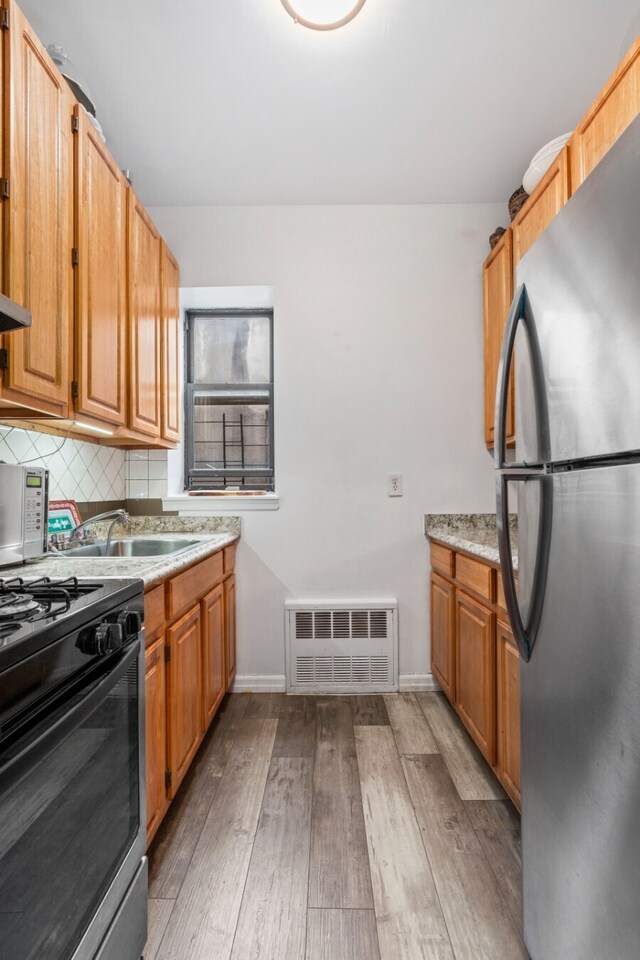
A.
x: 341, y: 646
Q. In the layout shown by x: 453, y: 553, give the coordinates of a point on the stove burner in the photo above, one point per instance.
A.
x: 14, y: 605
x: 28, y: 601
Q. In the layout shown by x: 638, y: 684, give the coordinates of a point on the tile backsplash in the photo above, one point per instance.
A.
x: 146, y: 474
x: 77, y: 470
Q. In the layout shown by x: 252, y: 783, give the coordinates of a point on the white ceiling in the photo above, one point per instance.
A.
x: 415, y: 101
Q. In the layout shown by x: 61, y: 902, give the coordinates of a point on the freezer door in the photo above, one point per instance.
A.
x: 581, y: 726
x: 582, y: 279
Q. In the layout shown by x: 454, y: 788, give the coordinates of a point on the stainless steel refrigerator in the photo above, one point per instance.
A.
x: 573, y: 335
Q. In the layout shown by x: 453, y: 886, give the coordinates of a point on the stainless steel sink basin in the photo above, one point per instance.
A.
x: 131, y: 547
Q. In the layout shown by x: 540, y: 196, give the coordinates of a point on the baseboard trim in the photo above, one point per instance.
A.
x: 410, y: 682
x: 259, y: 684
x: 248, y: 683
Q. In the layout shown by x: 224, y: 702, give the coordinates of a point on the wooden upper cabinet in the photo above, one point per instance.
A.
x: 498, y: 294
x: 100, y: 277
x: 508, y: 681
x: 144, y: 320
x: 443, y: 637
x: 612, y: 112
x: 545, y: 202
x: 170, y: 363
x: 37, y: 220
x: 476, y: 672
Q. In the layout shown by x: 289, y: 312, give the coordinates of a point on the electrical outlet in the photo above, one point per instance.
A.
x: 394, y: 485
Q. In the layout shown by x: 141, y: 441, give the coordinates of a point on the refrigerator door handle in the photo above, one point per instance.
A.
x: 524, y: 634
x: 520, y: 310
x: 516, y: 314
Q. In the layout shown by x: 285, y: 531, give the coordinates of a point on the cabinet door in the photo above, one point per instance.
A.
x: 607, y: 118
x: 508, y: 669
x: 144, y: 320
x: 185, y: 694
x: 476, y: 672
x: 230, y: 627
x: 170, y: 366
x: 498, y: 294
x: 38, y: 221
x: 214, y: 680
x: 545, y: 202
x: 100, y: 277
x: 156, y: 734
x: 443, y: 659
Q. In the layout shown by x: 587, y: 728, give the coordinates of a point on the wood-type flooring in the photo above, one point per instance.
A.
x: 337, y: 828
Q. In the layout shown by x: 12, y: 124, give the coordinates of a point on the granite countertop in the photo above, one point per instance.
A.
x: 212, y: 534
x: 473, y: 532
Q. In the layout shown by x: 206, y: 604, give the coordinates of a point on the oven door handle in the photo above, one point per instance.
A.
x: 37, y: 748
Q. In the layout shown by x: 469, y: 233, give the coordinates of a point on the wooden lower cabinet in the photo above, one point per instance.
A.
x: 475, y: 660
x: 214, y: 676
x: 184, y: 691
x: 476, y: 672
x: 156, y: 736
x: 508, y: 683
x: 230, y: 627
x: 190, y: 663
x: 443, y: 649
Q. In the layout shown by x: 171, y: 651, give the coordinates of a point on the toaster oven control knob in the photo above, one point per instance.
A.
x: 107, y: 638
x: 131, y: 623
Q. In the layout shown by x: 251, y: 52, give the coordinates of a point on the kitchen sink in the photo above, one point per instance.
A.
x: 131, y: 547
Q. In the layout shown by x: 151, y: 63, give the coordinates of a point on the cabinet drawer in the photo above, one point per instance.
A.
x: 443, y: 560
x: 476, y: 575
x: 185, y: 589
x: 229, y: 559
x: 153, y: 612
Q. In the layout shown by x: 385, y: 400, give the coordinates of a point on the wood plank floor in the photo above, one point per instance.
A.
x: 337, y: 828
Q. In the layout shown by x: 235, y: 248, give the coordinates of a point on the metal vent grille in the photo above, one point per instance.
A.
x: 340, y: 670
x: 341, y: 624
x: 341, y: 647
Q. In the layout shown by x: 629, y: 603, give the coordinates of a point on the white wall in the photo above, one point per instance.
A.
x: 378, y: 370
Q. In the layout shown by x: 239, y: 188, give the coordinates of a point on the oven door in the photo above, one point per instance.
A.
x: 71, y: 831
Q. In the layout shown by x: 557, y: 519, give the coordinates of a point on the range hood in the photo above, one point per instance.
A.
x: 12, y: 315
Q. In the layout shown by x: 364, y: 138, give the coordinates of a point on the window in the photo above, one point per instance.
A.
x: 229, y: 400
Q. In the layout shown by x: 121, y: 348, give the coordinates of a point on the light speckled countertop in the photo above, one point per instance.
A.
x: 212, y: 534
x: 473, y: 532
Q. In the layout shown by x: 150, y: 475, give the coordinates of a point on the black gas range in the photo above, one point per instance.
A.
x: 72, y: 796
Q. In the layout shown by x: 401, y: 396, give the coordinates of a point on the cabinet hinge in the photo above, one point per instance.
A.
x: 4, y: 359
x: 75, y: 123
x: 75, y: 257
x: 4, y: 18
x: 167, y: 652
x: 74, y: 390
x: 4, y: 188
x: 168, y: 778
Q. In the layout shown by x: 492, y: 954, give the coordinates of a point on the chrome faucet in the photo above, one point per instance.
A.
x: 120, y: 517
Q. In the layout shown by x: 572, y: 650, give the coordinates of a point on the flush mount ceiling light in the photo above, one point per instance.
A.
x: 322, y: 14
